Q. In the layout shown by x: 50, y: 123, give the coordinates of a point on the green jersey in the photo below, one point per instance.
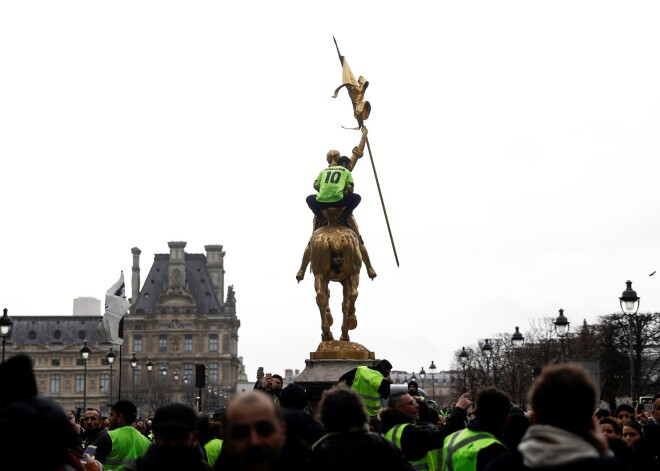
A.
x: 331, y: 183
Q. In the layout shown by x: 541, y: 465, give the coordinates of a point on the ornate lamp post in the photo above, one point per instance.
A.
x: 413, y: 377
x: 517, y: 340
x: 111, y: 359
x: 175, y: 375
x: 163, y: 372
x: 463, y: 359
x: 562, y: 326
x: 487, y: 350
x: 84, y: 354
x: 6, y: 324
x: 432, y: 369
x: 134, y: 361
x: 150, y: 366
x: 629, y: 302
x: 422, y: 375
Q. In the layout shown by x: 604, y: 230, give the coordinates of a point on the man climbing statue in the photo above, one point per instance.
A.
x: 333, y: 157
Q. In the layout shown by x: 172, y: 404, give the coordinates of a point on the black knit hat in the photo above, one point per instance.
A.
x: 384, y: 365
x: 125, y: 408
x: 294, y: 396
x: 174, y: 419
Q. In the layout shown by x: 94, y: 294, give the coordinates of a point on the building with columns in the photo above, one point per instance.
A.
x: 180, y: 316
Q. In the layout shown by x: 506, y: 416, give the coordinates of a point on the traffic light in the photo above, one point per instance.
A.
x: 200, y: 376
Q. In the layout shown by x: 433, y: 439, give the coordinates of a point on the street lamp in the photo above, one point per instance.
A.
x: 163, y: 372
x: 562, y: 326
x: 517, y: 340
x: 629, y: 302
x: 432, y: 369
x: 463, y: 359
x: 84, y: 354
x: 6, y: 324
x: 111, y: 359
x: 413, y: 377
x: 487, y: 350
x: 134, y: 361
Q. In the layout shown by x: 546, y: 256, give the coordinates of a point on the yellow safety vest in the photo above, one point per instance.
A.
x: 427, y: 463
x: 461, y: 448
x: 128, y: 444
x: 366, y: 384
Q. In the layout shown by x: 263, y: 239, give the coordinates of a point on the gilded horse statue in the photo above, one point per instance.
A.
x: 335, y: 256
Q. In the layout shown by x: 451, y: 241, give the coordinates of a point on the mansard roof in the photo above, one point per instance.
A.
x: 55, y: 330
x: 198, y: 285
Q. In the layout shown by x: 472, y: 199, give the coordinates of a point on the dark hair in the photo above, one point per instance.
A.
x: 294, y: 396
x: 612, y: 422
x: 344, y: 161
x: 636, y: 425
x: 493, y: 406
x: 413, y: 383
x: 278, y: 377
x: 602, y: 413
x: 342, y: 409
x: 624, y: 407
x: 564, y: 396
x: 395, y: 399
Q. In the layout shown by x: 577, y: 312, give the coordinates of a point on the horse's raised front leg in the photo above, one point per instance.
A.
x: 322, y: 301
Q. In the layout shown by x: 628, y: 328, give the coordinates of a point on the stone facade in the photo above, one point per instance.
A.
x: 178, y: 319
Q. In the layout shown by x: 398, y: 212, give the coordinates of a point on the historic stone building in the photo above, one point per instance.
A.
x: 179, y: 318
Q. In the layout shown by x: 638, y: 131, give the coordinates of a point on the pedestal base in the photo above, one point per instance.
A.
x: 322, y: 374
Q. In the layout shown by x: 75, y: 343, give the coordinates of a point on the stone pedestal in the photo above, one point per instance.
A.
x: 331, y: 360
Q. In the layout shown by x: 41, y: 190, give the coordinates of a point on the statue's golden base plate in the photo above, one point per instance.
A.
x: 338, y: 350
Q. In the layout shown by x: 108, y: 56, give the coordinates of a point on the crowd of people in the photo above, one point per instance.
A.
x: 274, y: 428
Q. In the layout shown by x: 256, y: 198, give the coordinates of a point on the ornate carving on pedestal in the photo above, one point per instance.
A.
x: 338, y: 349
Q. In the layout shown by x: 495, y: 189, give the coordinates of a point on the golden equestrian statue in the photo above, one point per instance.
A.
x: 335, y: 256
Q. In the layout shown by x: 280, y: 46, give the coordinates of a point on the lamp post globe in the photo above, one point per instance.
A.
x: 6, y: 325
x: 562, y: 326
x: 111, y: 359
x: 133, y: 360
x: 629, y: 302
x: 432, y: 369
x: 487, y: 350
x: 84, y: 354
x: 517, y: 340
x: 463, y: 359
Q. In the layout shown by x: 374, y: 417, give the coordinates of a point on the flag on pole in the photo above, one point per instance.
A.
x: 116, y: 306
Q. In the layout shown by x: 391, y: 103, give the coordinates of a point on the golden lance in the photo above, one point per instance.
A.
x: 361, y: 111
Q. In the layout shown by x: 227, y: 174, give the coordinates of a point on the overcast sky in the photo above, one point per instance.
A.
x: 516, y: 145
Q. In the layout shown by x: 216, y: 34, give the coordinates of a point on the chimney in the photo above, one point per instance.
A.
x: 177, y: 267
x: 215, y: 261
x: 135, y: 277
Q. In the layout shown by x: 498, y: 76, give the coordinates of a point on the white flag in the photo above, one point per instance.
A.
x: 116, y: 306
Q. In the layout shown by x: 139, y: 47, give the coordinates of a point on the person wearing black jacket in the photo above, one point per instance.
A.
x: 365, y: 386
x: 483, y: 439
x: 415, y: 441
x: 348, y: 444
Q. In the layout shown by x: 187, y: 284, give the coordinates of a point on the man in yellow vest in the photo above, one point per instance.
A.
x: 420, y: 444
x: 128, y: 444
x: 472, y: 448
x: 372, y: 383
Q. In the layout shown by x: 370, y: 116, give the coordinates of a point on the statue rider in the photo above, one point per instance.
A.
x: 333, y: 157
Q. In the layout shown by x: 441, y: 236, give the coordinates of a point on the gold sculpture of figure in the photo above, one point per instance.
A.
x: 332, y: 157
x: 356, y: 90
x: 335, y: 256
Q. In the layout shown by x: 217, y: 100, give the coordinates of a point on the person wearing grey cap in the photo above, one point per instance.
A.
x: 372, y: 383
x: 175, y: 444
